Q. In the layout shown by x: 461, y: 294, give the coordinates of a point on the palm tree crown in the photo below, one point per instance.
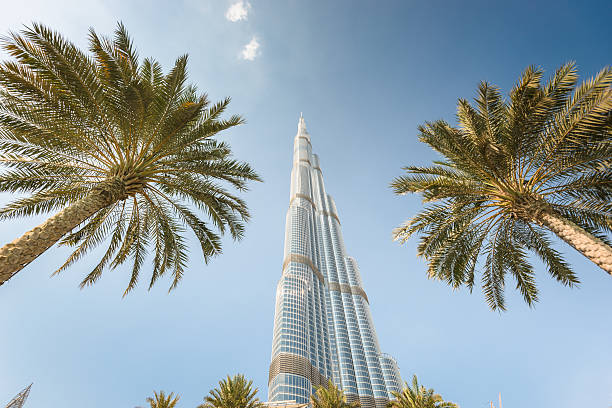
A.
x: 330, y: 397
x: 163, y: 401
x: 513, y: 172
x: 233, y: 392
x: 418, y: 396
x: 123, y: 150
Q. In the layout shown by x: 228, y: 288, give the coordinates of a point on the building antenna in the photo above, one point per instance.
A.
x: 20, y: 398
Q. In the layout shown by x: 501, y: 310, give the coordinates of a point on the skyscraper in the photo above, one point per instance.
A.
x: 323, y: 328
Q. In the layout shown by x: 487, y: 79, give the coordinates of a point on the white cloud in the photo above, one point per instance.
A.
x: 251, y: 50
x: 238, y: 11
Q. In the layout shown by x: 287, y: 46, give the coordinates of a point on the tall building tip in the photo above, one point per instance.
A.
x: 302, y: 126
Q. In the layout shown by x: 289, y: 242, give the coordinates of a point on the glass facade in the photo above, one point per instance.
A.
x: 391, y: 374
x: 323, y: 328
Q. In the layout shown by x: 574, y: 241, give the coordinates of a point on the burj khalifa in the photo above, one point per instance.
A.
x: 323, y: 327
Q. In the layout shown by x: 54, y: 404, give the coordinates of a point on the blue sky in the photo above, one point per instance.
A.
x: 365, y: 74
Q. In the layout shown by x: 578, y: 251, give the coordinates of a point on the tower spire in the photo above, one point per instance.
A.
x: 302, y: 127
x: 20, y: 398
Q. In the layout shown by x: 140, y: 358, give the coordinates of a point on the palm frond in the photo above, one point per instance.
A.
x: 71, y: 121
x: 546, y: 149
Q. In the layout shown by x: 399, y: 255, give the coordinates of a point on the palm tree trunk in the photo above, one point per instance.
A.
x: 583, y: 241
x: 17, y: 254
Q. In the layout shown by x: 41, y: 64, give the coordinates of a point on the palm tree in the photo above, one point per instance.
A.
x: 513, y: 172
x: 163, y: 401
x: 121, y: 149
x: 330, y: 397
x: 233, y: 392
x: 418, y: 397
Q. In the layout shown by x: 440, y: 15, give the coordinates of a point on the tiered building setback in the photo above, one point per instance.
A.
x: 323, y: 328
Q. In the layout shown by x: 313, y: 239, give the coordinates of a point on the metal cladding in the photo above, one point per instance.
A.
x: 323, y: 328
